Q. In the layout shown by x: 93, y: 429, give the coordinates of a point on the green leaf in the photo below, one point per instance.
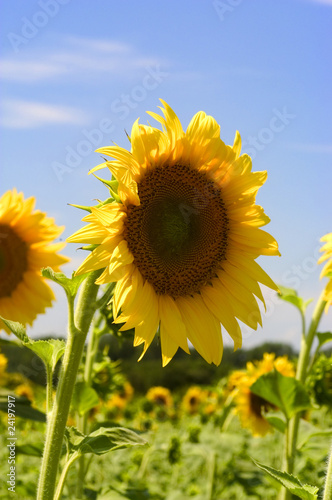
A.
x: 324, y: 338
x: 109, y: 439
x: 276, y: 419
x: 293, y: 485
x: 73, y: 438
x: 33, y: 450
x: 70, y: 285
x: 286, y: 393
x: 50, y: 351
x: 291, y: 296
x: 17, y: 329
x: 84, y: 398
x: 102, y: 440
x: 23, y: 408
x: 307, y: 431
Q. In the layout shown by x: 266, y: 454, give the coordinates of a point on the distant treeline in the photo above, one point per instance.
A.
x: 181, y: 372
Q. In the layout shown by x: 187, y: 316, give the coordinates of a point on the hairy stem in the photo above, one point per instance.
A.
x: 328, y: 479
x: 77, y: 332
x: 301, y: 375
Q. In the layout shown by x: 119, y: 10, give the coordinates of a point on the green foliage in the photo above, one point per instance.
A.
x: 174, y: 450
x: 309, y: 431
x: 286, y: 393
x: 323, y: 338
x: 291, y: 296
x: 84, y: 398
x: 319, y: 381
x: 70, y: 285
x: 102, y: 440
x: 17, y: 329
x: 49, y: 351
x: 23, y: 408
x: 293, y: 485
x: 276, y: 419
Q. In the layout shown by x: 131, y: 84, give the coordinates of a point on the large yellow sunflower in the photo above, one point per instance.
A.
x: 182, y: 239
x: 249, y: 406
x: 327, y: 269
x: 25, y: 247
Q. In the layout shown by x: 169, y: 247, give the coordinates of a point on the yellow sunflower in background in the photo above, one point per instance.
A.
x: 193, y: 399
x: 127, y: 392
x: 26, y: 237
x: 160, y: 396
x: 327, y: 269
x: 249, y: 406
x: 182, y: 238
x: 3, y: 369
x: 25, y: 390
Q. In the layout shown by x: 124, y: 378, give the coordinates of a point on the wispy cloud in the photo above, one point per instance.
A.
x: 73, y: 58
x: 28, y: 71
x: 21, y: 114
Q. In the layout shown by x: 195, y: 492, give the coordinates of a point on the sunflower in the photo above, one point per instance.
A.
x: 127, y: 392
x: 25, y: 390
x: 249, y: 406
x: 25, y: 247
x: 160, y: 396
x: 182, y: 237
x: 327, y: 269
x: 193, y: 399
x: 3, y: 369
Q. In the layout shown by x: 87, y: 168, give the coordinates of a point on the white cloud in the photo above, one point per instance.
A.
x: 75, y: 58
x: 101, y: 45
x: 21, y: 114
x: 28, y: 71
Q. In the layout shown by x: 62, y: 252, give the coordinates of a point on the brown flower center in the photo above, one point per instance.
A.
x: 178, y: 234
x: 13, y: 260
x: 259, y: 405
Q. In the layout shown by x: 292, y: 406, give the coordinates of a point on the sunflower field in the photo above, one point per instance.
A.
x: 171, y: 267
x: 197, y: 441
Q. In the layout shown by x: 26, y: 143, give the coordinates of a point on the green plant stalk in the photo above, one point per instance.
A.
x: 328, y: 479
x: 83, y: 421
x: 49, y: 389
x: 57, y: 419
x: 301, y: 375
x: 211, y: 475
x: 63, y: 476
x: 91, y: 353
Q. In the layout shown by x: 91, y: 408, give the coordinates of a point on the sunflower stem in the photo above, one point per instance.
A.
x: 63, y: 476
x: 211, y: 477
x: 301, y: 375
x: 77, y: 331
x: 328, y: 479
x: 49, y: 389
x: 91, y: 352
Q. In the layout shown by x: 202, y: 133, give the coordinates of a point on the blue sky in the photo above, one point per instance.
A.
x: 75, y: 75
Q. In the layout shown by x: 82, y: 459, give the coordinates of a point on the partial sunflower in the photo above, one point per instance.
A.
x: 25, y: 390
x: 249, y: 406
x: 160, y: 396
x: 193, y: 399
x: 182, y: 238
x: 26, y: 237
x: 327, y: 269
x: 3, y: 369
